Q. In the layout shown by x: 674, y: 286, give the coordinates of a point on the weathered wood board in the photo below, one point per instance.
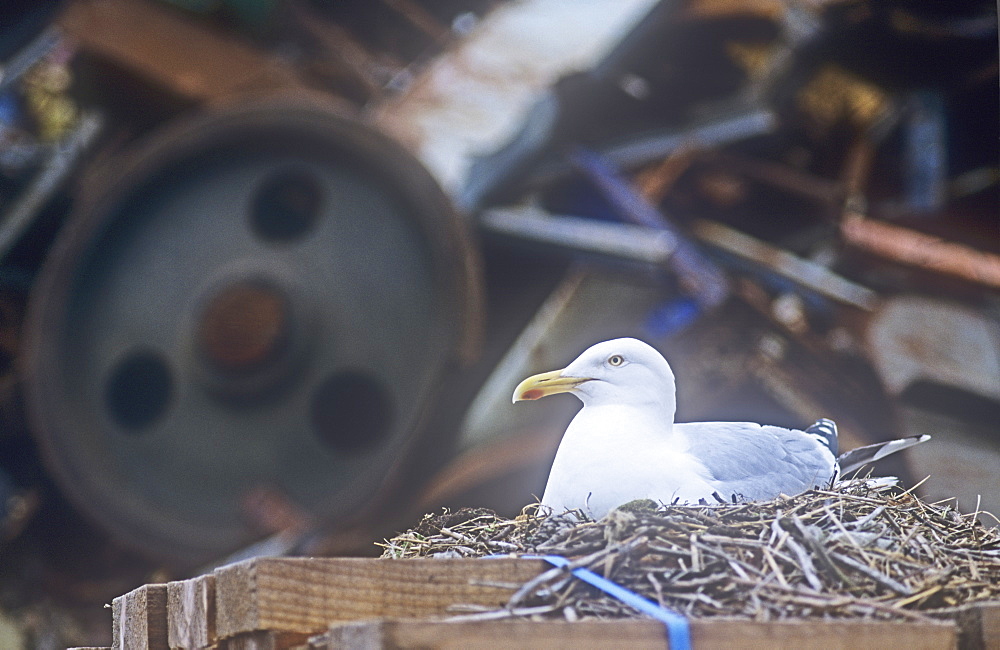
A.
x: 191, y: 612
x: 635, y: 635
x: 299, y: 594
x: 276, y: 603
x: 139, y: 619
x: 980, y: 627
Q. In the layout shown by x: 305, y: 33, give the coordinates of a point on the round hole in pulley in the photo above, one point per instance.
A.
x: 351, y: 411
x: 138, y: 390
x: 286, y: 205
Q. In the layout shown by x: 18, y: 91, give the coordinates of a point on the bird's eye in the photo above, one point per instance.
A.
x: 616, y: 360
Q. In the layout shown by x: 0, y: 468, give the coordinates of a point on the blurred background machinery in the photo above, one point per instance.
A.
x: 269, y: 270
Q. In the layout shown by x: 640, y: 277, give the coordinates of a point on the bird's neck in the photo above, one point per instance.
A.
x: 656, y: 406
x: 630, y: 417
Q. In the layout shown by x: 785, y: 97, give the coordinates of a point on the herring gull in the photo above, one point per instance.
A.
x: 624, y: 444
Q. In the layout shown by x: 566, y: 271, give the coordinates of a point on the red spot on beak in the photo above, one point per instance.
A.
x: 532, y: 394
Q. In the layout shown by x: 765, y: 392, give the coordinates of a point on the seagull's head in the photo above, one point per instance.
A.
x: 621, y: 371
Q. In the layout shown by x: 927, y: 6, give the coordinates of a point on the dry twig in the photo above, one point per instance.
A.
x: 855, y: 550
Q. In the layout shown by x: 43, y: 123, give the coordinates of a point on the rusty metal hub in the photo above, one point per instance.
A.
x: 243, y: 327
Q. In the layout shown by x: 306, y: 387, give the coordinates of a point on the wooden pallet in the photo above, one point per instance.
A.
x: 324, y: 603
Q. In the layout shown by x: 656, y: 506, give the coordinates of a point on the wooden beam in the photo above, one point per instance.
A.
x: 599, y: 634
x: 191, y: 612
x: 989, y: 625
x: 304, y: 595
x: 261, y: 640
x: 139, y: 619
x: 581, y: 635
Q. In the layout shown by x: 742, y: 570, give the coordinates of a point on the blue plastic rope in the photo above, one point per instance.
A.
x: 678, y: 629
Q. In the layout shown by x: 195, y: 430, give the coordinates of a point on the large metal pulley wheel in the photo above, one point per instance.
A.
x: 260, y: 300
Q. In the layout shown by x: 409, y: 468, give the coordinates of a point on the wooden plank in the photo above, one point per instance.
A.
x: 139, y: 619
x: 172, y: 50
x: 989, y: 622
x: 261, y: 640
x: 980, y: 626
x: 191, y: 612
x: 824, y: 635
x: 581, y: 635
x: 304, y: 595
x: 638, y: 634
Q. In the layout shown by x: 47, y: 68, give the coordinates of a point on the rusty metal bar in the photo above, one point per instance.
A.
x: 181, y: 55
x: 919, y: 249
x: 353, y: 60
x: 781, y: 176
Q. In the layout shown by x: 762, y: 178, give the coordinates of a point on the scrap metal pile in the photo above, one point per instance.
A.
x: 857, y: 549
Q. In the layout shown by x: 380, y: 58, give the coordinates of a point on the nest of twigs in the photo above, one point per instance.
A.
x: 858, y: 550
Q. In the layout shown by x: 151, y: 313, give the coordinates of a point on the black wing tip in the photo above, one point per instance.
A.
x: 827, y: 430
x: 822, y: 426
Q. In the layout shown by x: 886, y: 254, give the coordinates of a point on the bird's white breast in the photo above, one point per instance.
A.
x: 612, y: 454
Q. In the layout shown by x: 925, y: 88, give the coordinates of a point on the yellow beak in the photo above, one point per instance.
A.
x: 547, y: 383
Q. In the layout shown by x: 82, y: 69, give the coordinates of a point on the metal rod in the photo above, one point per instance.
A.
x: 803, y: 272
x: 653, y: 147
x: 28, y: 56
x: 16, y: 221
x: 699, y: 276
x: 706, y: 136
x: 618, y: 240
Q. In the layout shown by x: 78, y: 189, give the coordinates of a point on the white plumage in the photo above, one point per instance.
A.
x: 624, y: 445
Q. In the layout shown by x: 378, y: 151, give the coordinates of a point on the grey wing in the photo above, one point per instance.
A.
x: 861, y: 456
x: 748, y: 461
